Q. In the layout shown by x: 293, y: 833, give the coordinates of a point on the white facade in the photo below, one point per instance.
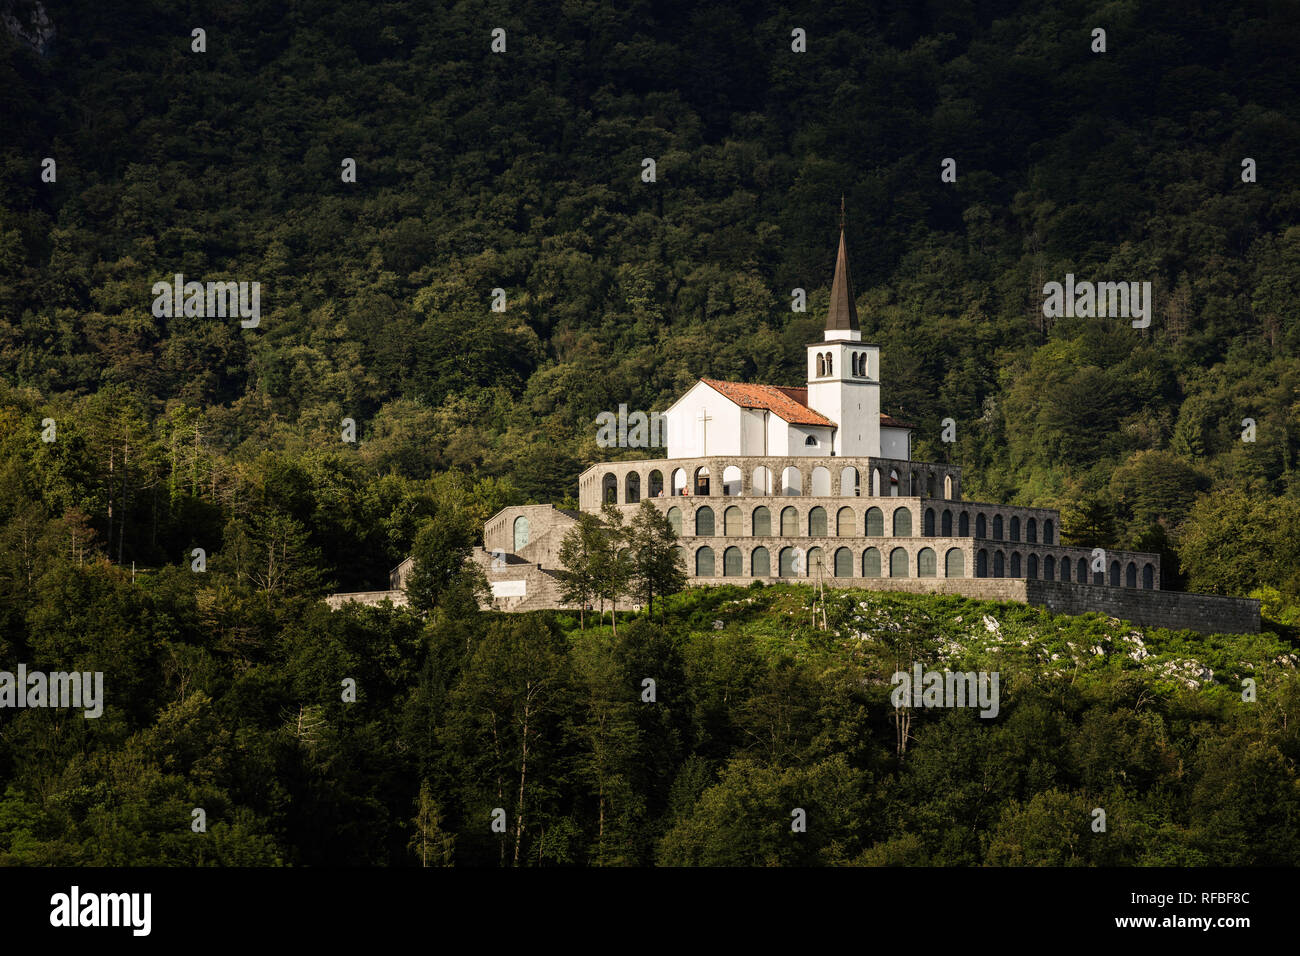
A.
x: 705, y: 422
x: 895, y: 442
x: 844, y: 386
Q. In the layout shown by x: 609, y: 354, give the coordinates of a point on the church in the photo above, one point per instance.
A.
x: 813, y: 483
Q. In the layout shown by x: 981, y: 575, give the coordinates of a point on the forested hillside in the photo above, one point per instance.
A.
x: 128, y: 440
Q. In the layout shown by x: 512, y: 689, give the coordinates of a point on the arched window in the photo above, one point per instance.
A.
x: 981, y: 527
x: 830, y: 363
x: 947, y: 487
x: 1015, y: 527
x: 789, y: 523
x: 760, y: 563
x: 762, y: 481
x: 1082, y: 568
x: 732, y: 563
x: 817, y: 523
x: 1015, y: 564
x: 811, y: 441
x: 731, y: 523
x: 1065, y: 569
x: 791, y: 481
x: 843, y: 563
x: 679, y: 481
x: 926, y: 564
x: 609, y: 489
x: 704, y: 563
x: 945, y: 523
x: 521, y: 534
x: 849, y: 483
x: 927, y: 523
x: 790, y: 564
x: 821, y: 366
x: 731, y: 480
x: 1031, y: 531
x: 1131, y: 575
x: 704, y: 522
x: 1031, y: 570
x: 845, y: 523
x: 875, y: 523
x: 702, y: 481
x: 1148, y: 577
x: 981, y: 563
x: 656, y: 484
x: 675, y: 520
x: 963, y: 525
x: 1049, y: 568
x: 999, y: 564
x: 821, y: 482
x: 1047, y: 531
x: 871, y: 563
x: 902, y: 523
x: 954, y: 563
x: 997, y: 527
x: 632, y: 488
x: 762, y: 522
x: 875, y: 482
x: 1114, y: 574
x: 898, y: 563
x: 816, y: 565
x: 893, y: 483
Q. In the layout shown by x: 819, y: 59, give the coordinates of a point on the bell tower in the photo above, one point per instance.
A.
x: 844, y: 371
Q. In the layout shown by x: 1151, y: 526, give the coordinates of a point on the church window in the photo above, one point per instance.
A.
x: 830, y: 364
x: 811, y: 440
x: 821, y: 366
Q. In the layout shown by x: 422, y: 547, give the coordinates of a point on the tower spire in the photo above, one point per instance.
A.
x: 843, y: 313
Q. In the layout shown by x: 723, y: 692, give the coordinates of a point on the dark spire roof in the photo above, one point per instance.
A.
x: 843, y: 314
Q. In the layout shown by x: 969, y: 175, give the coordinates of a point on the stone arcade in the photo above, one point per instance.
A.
x: 769, y: 483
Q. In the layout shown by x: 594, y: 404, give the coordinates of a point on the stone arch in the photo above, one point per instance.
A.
x: 1015, y: 528
x: 954, y: 563
x: 788, y: 563
x: 762, y: 481
x: 791, y: 481
x: 1131, y: 575
x: 821, y: 482
x: 1049, y: 568
x: 1015, y: 564
x: 704, y: 562
x: 1065, y: 569
x: 789, y: 523
x: 632, y: 487
x: 871, y: 563
x: 704, y: 526
x: 902, y: 523
x: 609, y: 489
x: 1048, y: 531
x: 702, y: 486
x: 1148, y: 576
x: 817, y: 522
x: 1031, y: 566
x: 679, y: 481
x: 732, y: 481
x: 1114, y: 574
x: 945, y: 524
x: 733, y: 563
x: 893, y: 483
x: 898, y: 563
x: 845, y: 523
x: 947, y: 487
x: 816, y: 564
x: 830, y: 363
x: 762, y: 522
x: 849, y: 483
x: 760, y: 563
x: 875, y: 526
x: 732, y: 522
x: 675, y: 520
x: 999, y: 564
x: 656, y: 489
x: 520, y: 533
x: 1082, y: 568
x: 927, y: 523
x: 821, y: 365
x: 981, y: 526
x: 963, y: 525
x: 981, y: 563
x: 1031, y: 530
x: 926, y: 563
x: 997, y: 527
x: 875, y: 482
x: 843, y: 563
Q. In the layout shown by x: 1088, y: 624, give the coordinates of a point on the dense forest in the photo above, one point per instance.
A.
x: 129, y: 440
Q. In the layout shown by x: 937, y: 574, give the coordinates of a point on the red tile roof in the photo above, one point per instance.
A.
x: 788, y: 404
